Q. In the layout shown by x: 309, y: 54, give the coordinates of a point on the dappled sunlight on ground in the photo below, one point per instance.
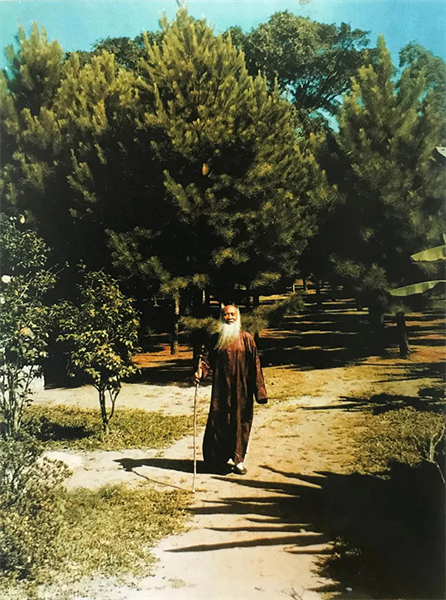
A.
x: 303, y: 523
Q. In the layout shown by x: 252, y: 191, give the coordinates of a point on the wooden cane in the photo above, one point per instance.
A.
x: 195, y: 425
x: 195, y: 436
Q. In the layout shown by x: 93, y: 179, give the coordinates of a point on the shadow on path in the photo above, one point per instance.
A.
x: 170, y: 464
x: 387, y: 535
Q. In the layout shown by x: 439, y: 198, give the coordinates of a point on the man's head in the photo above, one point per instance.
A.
x: 230, y: 324
x: 230, y: 314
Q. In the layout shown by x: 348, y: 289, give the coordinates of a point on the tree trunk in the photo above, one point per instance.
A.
x: 403, y: 339
x: 11, y: 412
x: 105, y: 420
x: 318, y: 294
x: 175, y: 325
x: 376, y: 317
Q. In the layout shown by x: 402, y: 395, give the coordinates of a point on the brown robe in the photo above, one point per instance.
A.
x: 236, y: 378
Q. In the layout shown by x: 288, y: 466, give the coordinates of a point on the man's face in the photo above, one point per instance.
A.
x: 229, y: 314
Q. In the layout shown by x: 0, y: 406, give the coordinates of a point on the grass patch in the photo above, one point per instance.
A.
x: 110, y: 531
x: 105, y: 532
x: 81, y: 429
x: 404, y: 436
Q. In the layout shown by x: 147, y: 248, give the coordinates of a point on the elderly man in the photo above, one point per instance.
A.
x: 236, y: 379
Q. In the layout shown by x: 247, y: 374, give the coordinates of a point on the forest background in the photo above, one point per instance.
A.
x: 149, y: 178
x: 190, y: 164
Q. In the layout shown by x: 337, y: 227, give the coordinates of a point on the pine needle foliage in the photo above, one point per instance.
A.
x: 238, y: 185
x: 393, y: 189
x: 188, y: 167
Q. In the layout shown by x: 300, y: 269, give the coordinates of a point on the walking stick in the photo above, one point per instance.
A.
x: 195, y: 427
x: 195, y: 436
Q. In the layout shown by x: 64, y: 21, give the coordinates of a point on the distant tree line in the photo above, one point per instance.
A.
x: 188, y: 163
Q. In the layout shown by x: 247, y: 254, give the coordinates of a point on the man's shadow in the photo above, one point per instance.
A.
x: 172, y: 464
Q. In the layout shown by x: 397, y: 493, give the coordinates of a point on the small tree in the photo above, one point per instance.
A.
x: 24, y: 318
x: 103, y: 334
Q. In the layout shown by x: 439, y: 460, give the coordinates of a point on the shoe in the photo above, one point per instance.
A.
x: 222, y: 469
x: 240, y: 469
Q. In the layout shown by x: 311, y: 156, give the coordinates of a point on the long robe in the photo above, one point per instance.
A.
x: 237, y: 378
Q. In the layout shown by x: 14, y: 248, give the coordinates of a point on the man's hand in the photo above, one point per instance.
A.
x: 197, y: 376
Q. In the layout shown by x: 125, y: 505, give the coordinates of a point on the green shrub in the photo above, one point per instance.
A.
x: 32, y: 501
x: 195, y: 326
x: 406, y: 435
x: 63, y: 426
x: 272, y: 315
x: 292, y: 305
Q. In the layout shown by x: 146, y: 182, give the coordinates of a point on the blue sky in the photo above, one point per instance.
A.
x: 77, y: 24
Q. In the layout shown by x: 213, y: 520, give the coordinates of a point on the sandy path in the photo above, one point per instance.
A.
x: 249, y: 537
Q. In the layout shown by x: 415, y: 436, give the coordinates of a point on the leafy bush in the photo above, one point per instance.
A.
x: 32, y: 501
x: 64, y: 426
x: 405, y: 435
x: 24, y: 318
x: 49, y: 534
x: 102, y: 333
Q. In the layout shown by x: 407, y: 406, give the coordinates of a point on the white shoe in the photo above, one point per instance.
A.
x: 240, y: 469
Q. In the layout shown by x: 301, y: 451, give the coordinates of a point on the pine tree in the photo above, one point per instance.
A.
x: 393, y: 189
x: 194, y: 170
x: 238, y: 183
x: 52, y: 149
x: 240, y: 190
x: 34, y: 71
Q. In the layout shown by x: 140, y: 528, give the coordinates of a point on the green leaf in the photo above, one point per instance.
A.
x: 431, y: 254
x: 417, y: 288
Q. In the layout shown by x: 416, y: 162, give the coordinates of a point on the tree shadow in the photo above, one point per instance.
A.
x: 175, y: 371
x: 339, y: 335
x: 335, y: 335
x: 45, y: 429
x: 381, y: 403
x: 386, y: 537
x: 333, y: 338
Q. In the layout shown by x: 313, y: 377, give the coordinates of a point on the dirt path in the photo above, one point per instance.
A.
x: 249, y: 536
x: 264, y: 535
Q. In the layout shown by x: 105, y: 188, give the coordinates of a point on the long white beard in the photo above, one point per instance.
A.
x: 228, y: 333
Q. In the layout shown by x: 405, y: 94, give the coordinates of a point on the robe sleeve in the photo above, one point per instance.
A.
x: 205, y: 360
x: 256, y: 375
